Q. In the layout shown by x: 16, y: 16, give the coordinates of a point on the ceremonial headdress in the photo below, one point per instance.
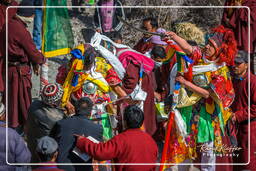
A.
x: 52, y: 94
x: 226, y: 44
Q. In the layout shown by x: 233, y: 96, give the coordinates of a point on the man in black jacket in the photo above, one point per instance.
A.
x: 65, y: 129
x: 42, y: 116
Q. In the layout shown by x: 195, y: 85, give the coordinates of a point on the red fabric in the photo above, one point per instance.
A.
x: 243, y: 139
x: 62, y: 74
x: 228, y: 48
x: 240, y: 104
x: 112, y: 77
x: 240, y: 107
x: 23, y: 50
x: 143, y: 46
x: 131, y: 146
x: 239, y: 21
x: 137, y: 58
x: 47, y: 168
x: 130, y: 81
x: 11, y: 13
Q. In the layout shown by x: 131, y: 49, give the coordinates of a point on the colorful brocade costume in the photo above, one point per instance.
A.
x: 205, y: 119
x: 94, y: 84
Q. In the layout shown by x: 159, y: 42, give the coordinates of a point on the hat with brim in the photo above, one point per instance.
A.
x: 241, y: 57
x: 157, y: 39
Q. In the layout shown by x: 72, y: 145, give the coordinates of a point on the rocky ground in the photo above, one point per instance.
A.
x: 205, y: 18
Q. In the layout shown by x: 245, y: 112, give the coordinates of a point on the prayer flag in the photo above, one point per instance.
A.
x: 57, y: 31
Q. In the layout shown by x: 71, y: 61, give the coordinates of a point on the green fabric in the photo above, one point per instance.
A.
x: 179, y: 67
x: 186, y: 113
x: 107, y: 129
x: 57, y: 30
x: 91, y: 2
x: 205, y: 129
x: 221, y: 120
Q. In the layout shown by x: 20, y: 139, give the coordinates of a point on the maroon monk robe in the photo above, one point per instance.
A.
x: 22, y: 53
x: 238, y: 20
x: 130, y: 80
x: 131, y: 146
x: 11, y: 13
x: 143, y: 46
x: 240, y: 108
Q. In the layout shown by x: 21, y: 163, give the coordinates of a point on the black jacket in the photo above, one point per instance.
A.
x: 63, y: 134
x: 41, y: 120
x: 119, y: 11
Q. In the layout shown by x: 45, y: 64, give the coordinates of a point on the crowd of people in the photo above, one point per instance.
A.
x: 170, y: 99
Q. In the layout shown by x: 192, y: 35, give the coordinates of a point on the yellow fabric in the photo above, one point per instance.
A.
x: 77, y: 65
x: 185, y: 100
x: 58, y: 52
x: 102, y: 66
x: 81, y: 48
x: 67, y: 87
x: 226, y: 113
x: 210, y: 107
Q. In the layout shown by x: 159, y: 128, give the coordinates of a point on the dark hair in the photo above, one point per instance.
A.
x: 45, y: 157
x: 153, y: 21
x: 89, y: 56
x: 133, y: 116
x: 192, y: 42
x: 158, y: 51
x: 115, y: 36
x: 84, y: 106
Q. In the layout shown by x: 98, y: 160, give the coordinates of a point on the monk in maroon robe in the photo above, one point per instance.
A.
x: 130, y: 81
x: 22, y: 53
x: 237, y: 19
x: 11, y: 12
x: 241, y: 113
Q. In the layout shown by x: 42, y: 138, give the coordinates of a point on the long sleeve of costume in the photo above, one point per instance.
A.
x: 102, y: 151
x: 26, y: 42
x: 240, y: 106
x: 242, y: 114
x: 131, y: 78
x: 22, y: 153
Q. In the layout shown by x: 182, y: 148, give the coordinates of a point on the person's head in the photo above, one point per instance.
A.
x: 133, y: 116
x: 47, y: 149
x: 241, y: 63
x: 210, y: 49
x: 221, y: 46
x: 89, y: 57
x: 52, y: 94
x: 2, y: 112
x: 150, y: 24
x: 116, y: 37
x: 26, y: 12
x: 84, y: 106
x: 158, y: 53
